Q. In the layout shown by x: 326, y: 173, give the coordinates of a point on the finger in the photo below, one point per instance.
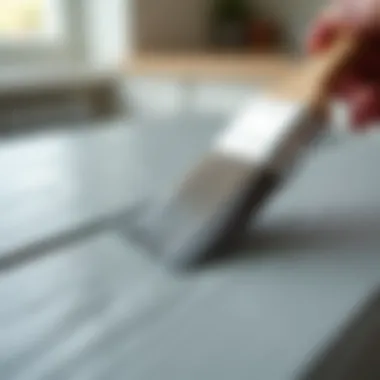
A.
x: 367, y: 62
x: 360, y: 83
x: 357, y: 15
x: 346, y: 85
x: 368, y: 119
x: 363, y: 14
x: 364, y: 106
x: 323, y: 32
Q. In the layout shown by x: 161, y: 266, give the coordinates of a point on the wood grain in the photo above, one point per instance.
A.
x: 219, y: 66
x: 313, y: 79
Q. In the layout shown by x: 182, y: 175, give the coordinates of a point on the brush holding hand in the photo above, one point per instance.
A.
x: 359, y: 83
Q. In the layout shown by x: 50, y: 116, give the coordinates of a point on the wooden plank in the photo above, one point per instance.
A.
x: 231, y: 66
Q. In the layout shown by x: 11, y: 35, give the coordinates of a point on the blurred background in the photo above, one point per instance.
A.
x: 215, y: 50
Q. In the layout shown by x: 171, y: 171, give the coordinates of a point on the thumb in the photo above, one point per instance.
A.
x: 362, y: 14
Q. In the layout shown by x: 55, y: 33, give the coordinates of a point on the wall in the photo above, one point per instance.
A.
x: 97, y: 32
x: 107, y: 34
x: 43, y: 51
x: 166, y: 24
x: 170, y: 24
x: 293, y: 15
x: 104, y: 31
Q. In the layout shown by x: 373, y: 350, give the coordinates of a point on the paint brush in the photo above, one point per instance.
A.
x: 250, y: 159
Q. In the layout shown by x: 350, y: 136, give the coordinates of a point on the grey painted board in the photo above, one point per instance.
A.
x: 102, y: 307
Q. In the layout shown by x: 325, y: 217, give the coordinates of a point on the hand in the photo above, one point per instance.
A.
x: 359, y: 84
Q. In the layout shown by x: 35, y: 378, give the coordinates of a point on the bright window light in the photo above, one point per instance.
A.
x: 26, y: 20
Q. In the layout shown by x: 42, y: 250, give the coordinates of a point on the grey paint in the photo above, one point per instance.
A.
x: 100, y: 306
x: 164, y: 96
x: 168, y: 96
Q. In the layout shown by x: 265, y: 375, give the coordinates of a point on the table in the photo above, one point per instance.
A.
x: 100, y: 306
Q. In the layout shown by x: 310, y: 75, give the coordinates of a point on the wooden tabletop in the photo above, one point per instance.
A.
x: 226, y: 66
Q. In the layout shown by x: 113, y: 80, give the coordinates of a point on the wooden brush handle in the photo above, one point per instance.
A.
x: 312, y: 81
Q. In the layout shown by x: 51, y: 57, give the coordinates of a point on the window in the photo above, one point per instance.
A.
x: 30, y: 20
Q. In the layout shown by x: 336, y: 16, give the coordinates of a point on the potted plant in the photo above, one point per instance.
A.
x: 230, y: 19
